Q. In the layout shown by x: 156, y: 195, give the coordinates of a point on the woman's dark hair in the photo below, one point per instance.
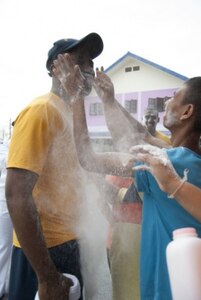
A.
x: 193, y: 96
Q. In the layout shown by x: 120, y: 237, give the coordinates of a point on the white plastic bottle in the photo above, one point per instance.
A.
x: 184, y: 264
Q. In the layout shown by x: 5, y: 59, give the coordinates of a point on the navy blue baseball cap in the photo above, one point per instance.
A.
x: 93, y: 41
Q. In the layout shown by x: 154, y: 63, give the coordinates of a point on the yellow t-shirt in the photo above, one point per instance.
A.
x: 42, y: 142
x: 161, y: 136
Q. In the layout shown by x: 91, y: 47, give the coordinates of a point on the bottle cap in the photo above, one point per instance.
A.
x: 187, y: 231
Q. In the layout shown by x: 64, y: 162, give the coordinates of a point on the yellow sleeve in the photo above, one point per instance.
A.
x: 121, y: 194
x: 31, y: 139
x: 163, y: 137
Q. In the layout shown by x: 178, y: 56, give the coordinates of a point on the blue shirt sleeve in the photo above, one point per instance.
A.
x: 142, y: 180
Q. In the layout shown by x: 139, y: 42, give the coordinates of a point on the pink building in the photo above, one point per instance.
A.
x: 138, y: 83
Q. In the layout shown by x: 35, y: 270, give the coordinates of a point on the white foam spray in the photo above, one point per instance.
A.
x: 170, y: 118
x: 92, y: 231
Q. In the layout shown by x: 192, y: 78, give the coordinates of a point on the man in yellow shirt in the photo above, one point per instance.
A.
x: 44, y: 184
x: 151, y: 119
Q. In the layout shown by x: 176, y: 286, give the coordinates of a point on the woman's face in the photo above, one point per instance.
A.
x: 173, y: 109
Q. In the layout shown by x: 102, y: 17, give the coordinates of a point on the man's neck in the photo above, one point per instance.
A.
x: 186, y: 138
x: 152, y: 132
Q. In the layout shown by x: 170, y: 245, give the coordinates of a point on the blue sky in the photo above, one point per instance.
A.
x: 165, y: 32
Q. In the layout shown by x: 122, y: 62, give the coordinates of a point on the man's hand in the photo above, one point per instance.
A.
x: 158, y: 164
x: 70, y: 76
x: 56, y: 287
x: 104, y: 87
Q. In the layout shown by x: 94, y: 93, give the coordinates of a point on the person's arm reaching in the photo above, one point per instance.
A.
x: 107, y: 163
x: 157, y: 162
x: 22, y: 209
x: 125, y: 130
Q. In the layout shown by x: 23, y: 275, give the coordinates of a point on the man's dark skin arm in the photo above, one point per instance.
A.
x: 26, y: 222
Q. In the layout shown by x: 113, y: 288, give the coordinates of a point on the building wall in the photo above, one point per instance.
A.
x: 98, y: 122
x: 146, y: 79
x: 147, y: 82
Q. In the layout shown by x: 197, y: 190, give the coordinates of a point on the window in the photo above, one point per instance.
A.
x: 158, y: 103
x: 131, y: 105
x: 96, y: 109
x: 128, y: 69
x: 136, y: 68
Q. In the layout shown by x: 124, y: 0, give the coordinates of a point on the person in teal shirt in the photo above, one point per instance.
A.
x: 161, y: 214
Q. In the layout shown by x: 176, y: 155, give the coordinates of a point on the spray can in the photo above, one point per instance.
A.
x: 183, y: 256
